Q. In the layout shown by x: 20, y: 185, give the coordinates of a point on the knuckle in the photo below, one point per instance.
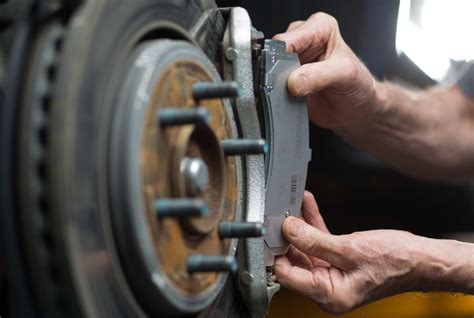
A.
x: 319, y: 16
x: 331, y: 21
x: 314, y: 242
x: 295, y: 23
x: 324, y: 17
x: 278, y: 36
x: 350, y: 249
x: 315, y: 16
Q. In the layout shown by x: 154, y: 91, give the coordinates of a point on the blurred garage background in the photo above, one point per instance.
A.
x: 409, y: 42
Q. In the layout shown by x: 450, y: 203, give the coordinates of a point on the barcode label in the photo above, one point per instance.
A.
x: 293, y: 187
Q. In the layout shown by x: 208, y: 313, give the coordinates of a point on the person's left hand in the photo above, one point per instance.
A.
x: 344, y: 272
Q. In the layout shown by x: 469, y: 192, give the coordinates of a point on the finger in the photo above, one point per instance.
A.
x: 301, y: 280
x: 316, y: 32
x: 314, y: 242
x: 315, y: 77
x: 311, y: 55
x: 293, y: 25
x: 311, y: 212
x: 314, y: 260
x: 298, y: 258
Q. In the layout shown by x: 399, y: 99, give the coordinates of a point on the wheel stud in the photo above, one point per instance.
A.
x: 205, y: 263
x: 183, y: 116
x: 242, y: 147
x: 241, y: 229
x: 180, y: 207
x: 203, y: 90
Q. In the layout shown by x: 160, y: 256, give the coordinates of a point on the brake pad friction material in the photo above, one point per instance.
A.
x: 287, y: 134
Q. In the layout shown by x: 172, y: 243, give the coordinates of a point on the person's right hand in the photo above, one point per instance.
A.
x: 338, y: 86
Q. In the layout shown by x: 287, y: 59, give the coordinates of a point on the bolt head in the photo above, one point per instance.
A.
x: 231, y: 54
x: 246, y: 278
x: 196, y: 175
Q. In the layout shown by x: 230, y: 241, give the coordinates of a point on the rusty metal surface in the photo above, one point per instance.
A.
x: 173, y: 243
x: 154, y: 252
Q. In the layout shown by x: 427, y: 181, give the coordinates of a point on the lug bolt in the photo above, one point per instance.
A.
x: 204, y: 263
x: 204, y: 90
x: 180, y: 207
x: 196, y: 175
x: 241, y: 229
x: 241, y: 147
x: 184, y: 116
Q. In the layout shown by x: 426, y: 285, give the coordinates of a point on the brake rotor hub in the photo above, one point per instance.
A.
x: 175, y: 165
x: 197, y: 169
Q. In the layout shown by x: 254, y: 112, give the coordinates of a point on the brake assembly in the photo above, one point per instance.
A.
x: 145, y: 149
x: 262, y: 68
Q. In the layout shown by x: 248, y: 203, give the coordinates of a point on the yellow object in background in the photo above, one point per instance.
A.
x: 409, y: 305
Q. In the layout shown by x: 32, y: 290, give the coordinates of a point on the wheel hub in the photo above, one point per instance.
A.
x: 166, y: 148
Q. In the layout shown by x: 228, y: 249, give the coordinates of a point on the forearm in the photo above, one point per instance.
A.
x: 424, y: 134
x: 444, y: 265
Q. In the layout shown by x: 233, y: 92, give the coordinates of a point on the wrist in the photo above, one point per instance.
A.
x: 444, y: 265
x: 396, y: 128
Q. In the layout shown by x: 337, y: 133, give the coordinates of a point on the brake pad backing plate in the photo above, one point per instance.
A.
x: 287, y: 133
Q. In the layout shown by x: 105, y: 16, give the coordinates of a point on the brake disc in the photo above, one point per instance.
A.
x: 147, y: 163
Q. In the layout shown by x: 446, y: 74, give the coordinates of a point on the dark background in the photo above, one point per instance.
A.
x: 354, y: 190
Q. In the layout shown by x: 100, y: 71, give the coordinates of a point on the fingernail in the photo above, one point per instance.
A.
x: 297, y: 228
x: 302, y: 84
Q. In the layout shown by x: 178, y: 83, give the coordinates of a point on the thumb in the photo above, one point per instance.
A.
x: 314, y: 242
x: 315, y: 77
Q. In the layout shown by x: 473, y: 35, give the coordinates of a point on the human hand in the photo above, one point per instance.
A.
x: 344, y: 272
x: 339, y: 88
